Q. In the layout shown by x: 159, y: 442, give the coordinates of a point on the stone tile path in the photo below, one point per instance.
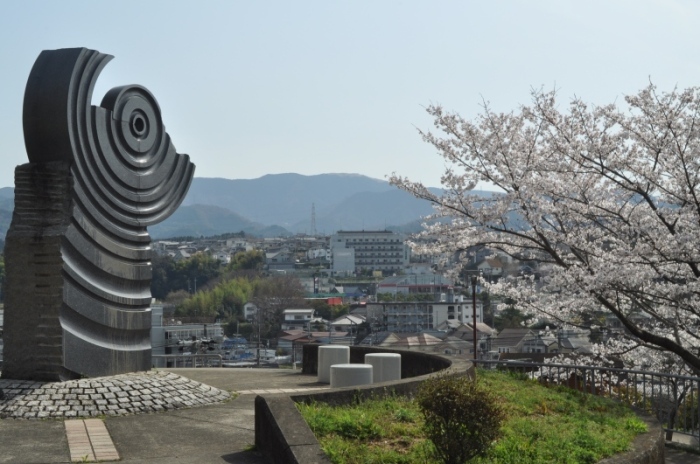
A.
x: 89, y: 440
x: 105, y: 396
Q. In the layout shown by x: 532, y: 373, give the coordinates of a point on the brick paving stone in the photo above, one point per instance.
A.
x: 122, y: 394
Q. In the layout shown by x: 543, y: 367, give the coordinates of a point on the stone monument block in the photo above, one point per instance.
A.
x: 78, y: 253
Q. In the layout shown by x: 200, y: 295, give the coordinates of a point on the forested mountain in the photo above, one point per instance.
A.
x: 280, y: 204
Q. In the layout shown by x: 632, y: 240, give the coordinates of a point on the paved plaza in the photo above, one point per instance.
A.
x: 207, y: 416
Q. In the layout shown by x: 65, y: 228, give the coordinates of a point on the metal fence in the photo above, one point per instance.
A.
x: 672, y: 399
x: 194, y: 360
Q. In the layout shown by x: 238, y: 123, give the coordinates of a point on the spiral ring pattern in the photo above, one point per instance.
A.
x: 126, y: 175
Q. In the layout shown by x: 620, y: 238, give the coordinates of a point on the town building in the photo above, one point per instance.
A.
x: 348, y: 323
x: 382, y: 250
x: 417, y: 316
x: 512, y: 340
x: 168, y: 335
x: 249, y: 311
x: 296, y: 319
x: 424, y: 284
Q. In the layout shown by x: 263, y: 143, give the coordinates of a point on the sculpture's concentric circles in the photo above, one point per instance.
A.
x: 112, y: 171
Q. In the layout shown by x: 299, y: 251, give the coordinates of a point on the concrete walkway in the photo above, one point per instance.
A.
x: 217, y: 433
x: 674, y: 456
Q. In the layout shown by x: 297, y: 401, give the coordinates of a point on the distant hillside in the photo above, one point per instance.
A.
x: 207, y: 220
x: 7, y: 205
x: 282, y: 199
x: 7, y: 198
x: 369, y: 211
x: 281, y: 204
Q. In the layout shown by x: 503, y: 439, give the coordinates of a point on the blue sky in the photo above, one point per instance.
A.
x: 251, y: 88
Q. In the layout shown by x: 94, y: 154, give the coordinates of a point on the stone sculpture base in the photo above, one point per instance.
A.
x: 33, y: 336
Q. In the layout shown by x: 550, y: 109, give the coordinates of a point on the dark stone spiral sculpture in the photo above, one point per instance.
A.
x: 78, y: 252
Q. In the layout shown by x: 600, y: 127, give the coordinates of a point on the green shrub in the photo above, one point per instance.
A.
x: 462, y: 419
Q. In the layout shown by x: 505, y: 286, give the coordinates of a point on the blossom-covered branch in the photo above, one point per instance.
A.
x: 609, y: 196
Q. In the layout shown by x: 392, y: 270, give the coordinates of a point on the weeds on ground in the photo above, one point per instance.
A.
x: 541, y: 425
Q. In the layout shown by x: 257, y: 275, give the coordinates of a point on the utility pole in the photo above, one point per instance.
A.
x: 474, y: 278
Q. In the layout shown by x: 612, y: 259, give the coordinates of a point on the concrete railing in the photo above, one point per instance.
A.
x: 413, y: 363
x: 195, y: 360
x: 284, y: 437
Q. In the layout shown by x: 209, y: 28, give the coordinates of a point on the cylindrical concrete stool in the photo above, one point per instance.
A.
x: 387, y: 366
x: 350, y: 375
x: 329, y: 355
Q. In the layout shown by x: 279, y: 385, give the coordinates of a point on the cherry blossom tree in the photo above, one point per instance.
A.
x: 607, y: 196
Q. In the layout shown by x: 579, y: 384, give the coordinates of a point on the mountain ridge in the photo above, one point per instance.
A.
x: 280, y: 204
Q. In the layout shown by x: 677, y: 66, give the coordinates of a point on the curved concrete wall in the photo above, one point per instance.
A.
x: 413, y: 363
x: 284, y: 437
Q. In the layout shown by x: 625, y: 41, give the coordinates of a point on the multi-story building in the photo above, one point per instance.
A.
x: 296, y: 319
x: 167, y: 335
x: 412, y: 284
x: 416, y: 316
x: 380, y: 250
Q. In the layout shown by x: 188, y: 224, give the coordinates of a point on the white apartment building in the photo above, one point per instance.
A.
x: 423, y: 284
x: 421, y: 315
x: 380, y: 250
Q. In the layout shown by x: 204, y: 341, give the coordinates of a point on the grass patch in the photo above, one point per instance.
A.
x: 542, y: 425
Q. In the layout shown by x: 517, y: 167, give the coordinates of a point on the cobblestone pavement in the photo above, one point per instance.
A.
x: 124, y: 394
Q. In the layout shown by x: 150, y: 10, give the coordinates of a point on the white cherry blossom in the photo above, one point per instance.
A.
x: 608, y: 196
